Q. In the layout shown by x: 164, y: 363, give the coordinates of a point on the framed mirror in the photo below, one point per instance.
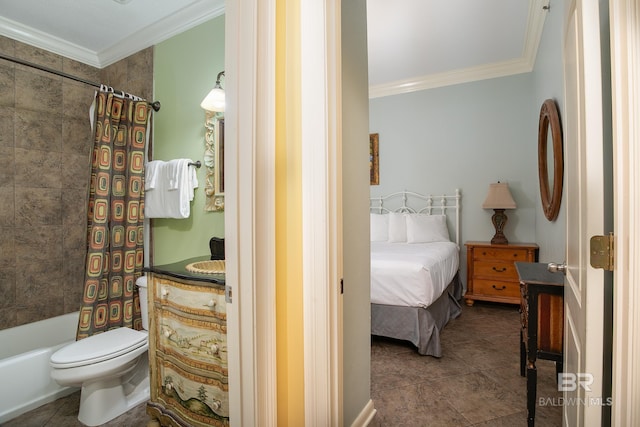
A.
x: 550, y: 159
x: 214, y: 162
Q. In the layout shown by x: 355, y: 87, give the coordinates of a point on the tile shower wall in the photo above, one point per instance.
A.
x: 45, y: 151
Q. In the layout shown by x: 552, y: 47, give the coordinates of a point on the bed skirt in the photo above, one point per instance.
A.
x: 421, y: 326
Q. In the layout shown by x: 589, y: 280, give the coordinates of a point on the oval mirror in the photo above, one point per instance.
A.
x: 550, y: 154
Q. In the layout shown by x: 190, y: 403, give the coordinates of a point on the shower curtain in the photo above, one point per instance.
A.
x: 115, y: 255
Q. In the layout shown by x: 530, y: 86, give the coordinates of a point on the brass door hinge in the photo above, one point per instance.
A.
x: 601, y: 249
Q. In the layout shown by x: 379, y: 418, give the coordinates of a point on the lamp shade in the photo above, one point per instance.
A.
x: 499, y: 197
x: 214, y: 101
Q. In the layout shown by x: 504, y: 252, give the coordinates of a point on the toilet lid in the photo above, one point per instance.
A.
x: 98, y: 348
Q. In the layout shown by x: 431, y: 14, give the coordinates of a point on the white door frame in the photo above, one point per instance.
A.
x: 321, y: 114
x: 249, y: 119
x: 625, y: 78
x: 250, y: 210
x: 250, y: 59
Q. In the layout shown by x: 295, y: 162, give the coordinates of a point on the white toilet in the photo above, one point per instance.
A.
x: 112, y: 368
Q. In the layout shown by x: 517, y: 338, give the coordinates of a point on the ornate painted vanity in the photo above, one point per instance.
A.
x: 187, y: 347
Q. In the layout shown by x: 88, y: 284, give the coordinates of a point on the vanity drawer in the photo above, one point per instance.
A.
x: 192, y: 299
x: 192, y: 343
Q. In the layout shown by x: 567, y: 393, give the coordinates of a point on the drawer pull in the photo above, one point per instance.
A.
x: 501, y: 288
x: 499, y: 270
x: 211, y: 303
x: 164, y: 292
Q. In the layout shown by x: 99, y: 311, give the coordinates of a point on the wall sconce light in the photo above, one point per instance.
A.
x: 499, y: 198
x: 214, y: 101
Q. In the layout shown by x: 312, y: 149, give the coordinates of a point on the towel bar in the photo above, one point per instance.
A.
x: 196, y: 164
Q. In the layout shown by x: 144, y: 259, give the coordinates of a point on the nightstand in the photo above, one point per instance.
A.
x: 491, y: 273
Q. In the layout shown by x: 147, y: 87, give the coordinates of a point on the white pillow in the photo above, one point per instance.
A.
x: 423, y: 228
x: 379, y: 227
x: 397, y: 227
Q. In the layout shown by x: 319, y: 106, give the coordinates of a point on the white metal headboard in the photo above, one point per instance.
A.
x: 410, y: 202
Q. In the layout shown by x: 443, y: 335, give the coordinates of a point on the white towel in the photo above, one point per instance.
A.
x: 175, y: 169
x: 173, y: 191
x: 151, y: 174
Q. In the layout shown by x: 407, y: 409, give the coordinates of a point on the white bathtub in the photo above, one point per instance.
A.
x: 24, y: 364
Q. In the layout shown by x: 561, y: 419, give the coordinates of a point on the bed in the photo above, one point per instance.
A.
x: 415, y: 256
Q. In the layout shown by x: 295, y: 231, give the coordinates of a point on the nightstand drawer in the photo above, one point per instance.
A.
x: 502, y: 254
x: 496, y: 288
x: 495, y: 270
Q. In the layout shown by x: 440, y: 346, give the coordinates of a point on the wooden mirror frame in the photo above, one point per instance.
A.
x: 549, y: 117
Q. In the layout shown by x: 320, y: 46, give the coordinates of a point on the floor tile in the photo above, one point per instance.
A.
x: 476, y: 382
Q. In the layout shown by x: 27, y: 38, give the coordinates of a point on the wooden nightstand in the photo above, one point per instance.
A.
x: 491, y: 273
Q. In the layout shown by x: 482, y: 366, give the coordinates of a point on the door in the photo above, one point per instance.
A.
x: 584, y: 285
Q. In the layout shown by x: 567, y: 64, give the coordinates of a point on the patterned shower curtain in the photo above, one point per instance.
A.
x: 115, y: 215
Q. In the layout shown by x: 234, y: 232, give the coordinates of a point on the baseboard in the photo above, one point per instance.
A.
x: 365, y: 416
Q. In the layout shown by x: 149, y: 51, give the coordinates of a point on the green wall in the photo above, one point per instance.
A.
x: 185, y: 69
x: 356, y: 325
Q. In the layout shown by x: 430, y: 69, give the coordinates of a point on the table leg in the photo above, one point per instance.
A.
x: 532, y: 380
x: 559, y: 370
x: 523, y: 356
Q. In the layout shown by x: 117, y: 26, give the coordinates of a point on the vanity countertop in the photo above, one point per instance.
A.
x: 179, y: 270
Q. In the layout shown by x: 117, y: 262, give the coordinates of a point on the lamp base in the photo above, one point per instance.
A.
x: 499, y: 219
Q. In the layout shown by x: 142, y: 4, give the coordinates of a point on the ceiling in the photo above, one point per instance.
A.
x: 414, y: 45
x: 422, y: 44
x: 101, y: 32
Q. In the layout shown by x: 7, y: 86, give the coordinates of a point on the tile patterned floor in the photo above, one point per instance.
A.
x: 477, y: 382
x: 64, y: 413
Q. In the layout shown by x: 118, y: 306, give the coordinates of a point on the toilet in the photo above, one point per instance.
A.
x: 112, y: 369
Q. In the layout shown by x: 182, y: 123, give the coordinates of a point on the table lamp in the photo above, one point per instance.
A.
x: 499, y: 198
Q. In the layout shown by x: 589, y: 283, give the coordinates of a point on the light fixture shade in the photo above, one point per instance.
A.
x: 214, y: 101
x: 499, y: 197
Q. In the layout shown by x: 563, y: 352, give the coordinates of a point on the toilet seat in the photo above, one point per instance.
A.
x: 98, y: 348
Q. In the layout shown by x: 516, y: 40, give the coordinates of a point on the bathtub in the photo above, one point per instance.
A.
x: 24, y: 364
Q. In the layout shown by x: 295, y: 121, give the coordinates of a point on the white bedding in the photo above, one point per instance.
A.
x: 411, y: 274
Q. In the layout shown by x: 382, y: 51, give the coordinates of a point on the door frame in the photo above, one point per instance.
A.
x: 253, y: 374
x: 321, y: 112
x: 250, y: 210
x: 624, y: 18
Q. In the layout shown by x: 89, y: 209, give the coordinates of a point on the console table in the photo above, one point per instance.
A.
x: 542, y: 318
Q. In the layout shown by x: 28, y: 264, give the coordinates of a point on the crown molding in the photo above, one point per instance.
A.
x: 533, y: 34
x: 177, y: 23
x: 184, y: 19
x: 524, y: 64
x: 42, y: 40
x: 448, y: 78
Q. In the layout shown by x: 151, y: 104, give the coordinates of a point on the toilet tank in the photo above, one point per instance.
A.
x: 141, y: 283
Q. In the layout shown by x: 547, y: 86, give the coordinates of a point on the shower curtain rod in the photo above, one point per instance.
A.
x: 155, y: 105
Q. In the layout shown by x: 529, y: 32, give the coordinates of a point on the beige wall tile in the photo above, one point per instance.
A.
x: 45, y: 153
